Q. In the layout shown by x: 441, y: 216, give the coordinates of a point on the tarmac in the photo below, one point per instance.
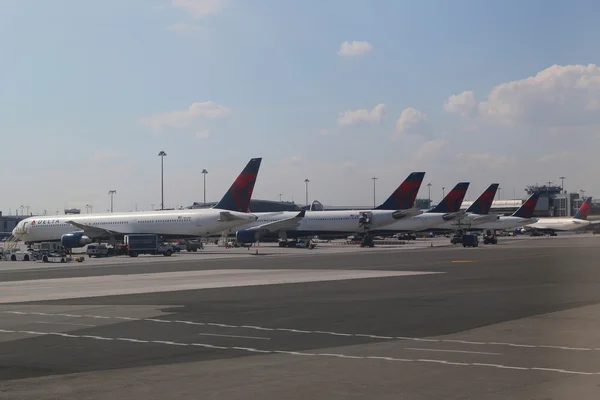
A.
x: 519, y: 319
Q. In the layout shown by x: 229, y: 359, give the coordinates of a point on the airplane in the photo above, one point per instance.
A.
x: 477, y: 213
x: 291, y: 224
x: 447, y: 210
x: 561, y: 224
x: 79, y: 230
x: 521, y: 217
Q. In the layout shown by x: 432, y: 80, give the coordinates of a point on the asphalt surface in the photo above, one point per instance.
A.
x: 516, y: 320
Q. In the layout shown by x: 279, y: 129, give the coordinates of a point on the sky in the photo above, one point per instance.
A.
x: 334, y: 91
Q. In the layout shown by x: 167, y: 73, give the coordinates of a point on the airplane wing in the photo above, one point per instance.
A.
x: 225, y: 216
x: 284, y: 224
x: 411, y: 212
x: 485, y: 218
x: 454, y: 216
x: 93, y: 229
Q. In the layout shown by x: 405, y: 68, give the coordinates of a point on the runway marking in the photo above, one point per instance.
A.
x: 463, y: 261
x: 452, y: 351
x: 61, y: 323
x: 234, y: 336
x: 306, y: 354
x: 301, y: 331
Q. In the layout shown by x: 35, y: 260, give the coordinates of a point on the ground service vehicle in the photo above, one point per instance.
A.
x: 490, y: 238
x: 470, y: 240
x: 146, y: 244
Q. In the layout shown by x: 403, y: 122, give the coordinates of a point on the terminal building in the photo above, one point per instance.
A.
x: 8, y: 223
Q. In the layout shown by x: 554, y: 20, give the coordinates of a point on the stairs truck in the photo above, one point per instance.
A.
x: 146, y: 244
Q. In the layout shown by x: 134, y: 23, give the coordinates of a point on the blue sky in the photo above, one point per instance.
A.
x: 79, y: 79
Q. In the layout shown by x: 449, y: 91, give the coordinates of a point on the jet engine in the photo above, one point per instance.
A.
x: 246, y: 236
x: 74, y: 239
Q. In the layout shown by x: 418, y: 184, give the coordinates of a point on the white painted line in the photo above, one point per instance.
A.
x: 373, y: 336
x: 96, y: 337
x: 452, y: 351
x: 234, y: 336
x: 189, y: 322
x: 210, y: 346
x: 132, y: 340
x: 294, y: 330
x: 60, y: 323
x: 221, y: 325
x: 170, y: 343
x: 334, y: 333
x: 416, y: 339
x: 335, y: 355
x: 258, y: 328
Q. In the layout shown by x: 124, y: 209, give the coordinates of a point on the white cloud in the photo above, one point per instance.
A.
x: 183, y: 118
x: 476, y: 161
x: 183, y: 27
x: 411, y: 122
x: 362, y: 116
x: 105, y: 155
x: 354, y: 48
x: 292, y: 160
x: 557, y: 96
x: 463, y: 104
x: 200, y: 8
x: 560, y: 157
x: 429, y: 150
x: 202, y: 134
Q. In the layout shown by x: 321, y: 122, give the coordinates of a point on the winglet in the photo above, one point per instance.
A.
x: 483, y: 204
x: 404, y: 196
x: 453, y: 200
x: 239, y: 194
x: 526, y: 210
x: 301, y: 214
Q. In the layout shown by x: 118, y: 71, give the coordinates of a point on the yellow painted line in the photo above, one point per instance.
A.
x: 462, y: 261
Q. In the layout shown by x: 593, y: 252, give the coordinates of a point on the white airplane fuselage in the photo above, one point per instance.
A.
x: 417, y: 223
x: 507, y: 222
x: 469, y: 220
x: 198, y: 222
x: 323, y: 222
x: 559, y: 224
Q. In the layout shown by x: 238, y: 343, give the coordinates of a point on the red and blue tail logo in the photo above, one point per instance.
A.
x: 405, y: 195
x: 483, y: 204
x: 527, y: 209
x: 239, y: 194
x: 453, y: 200
x: 584, y: 211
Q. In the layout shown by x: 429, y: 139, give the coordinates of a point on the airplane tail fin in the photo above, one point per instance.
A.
x: 239, y: 194
x: 527, y: 209
x: 483, y: 204
x: 405, y: 195
x: 584, y: 211
x: 453, y: 200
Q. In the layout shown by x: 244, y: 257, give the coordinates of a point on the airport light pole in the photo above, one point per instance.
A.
x: 443, y: 192
x: 562, y: 183
x: 306, y: 182
x: 429, y: 195
x: 499, y: 193
x: 22, y: 208
x: 111, y: 193
x: 374, y: 179
x: 204, y: 172
x: 162, y: 155
x: 280, y: 197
